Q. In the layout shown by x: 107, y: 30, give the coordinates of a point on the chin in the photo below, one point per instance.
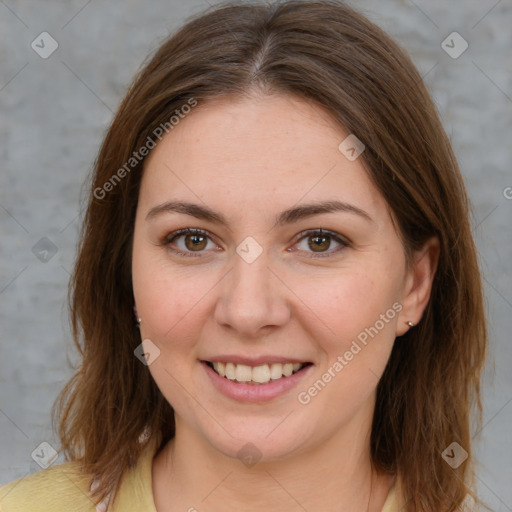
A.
x: 263, y: 441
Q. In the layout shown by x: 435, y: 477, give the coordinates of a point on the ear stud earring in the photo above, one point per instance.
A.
x: 137, y: 318
x: 410, y: 324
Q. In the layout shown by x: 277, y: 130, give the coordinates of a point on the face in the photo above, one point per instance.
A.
x: 256, y: 281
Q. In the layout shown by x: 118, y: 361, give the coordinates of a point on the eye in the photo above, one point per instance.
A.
x: 187, y: 241
x: 193, y: 240
x: 320, y: 241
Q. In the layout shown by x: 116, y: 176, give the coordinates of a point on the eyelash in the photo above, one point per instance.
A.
x: 303, y: 234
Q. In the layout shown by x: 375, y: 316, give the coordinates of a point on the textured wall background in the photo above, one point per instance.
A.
x: 55, y: 110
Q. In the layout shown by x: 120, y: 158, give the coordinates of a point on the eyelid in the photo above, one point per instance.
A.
x: 185, y: 231
x: 168, y: 239
x: 321, y: 232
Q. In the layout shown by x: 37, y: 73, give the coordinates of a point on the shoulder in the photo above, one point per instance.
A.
x: 64, y: 488
x: 396, y: 501
x: 57, y: 488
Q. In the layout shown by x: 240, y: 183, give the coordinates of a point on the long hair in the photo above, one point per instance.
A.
x: 326, y: 52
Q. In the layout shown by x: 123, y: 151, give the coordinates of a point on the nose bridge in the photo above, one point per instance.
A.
x: 251, y: 297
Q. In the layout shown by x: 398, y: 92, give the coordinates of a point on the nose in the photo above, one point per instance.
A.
x: 252, y: 298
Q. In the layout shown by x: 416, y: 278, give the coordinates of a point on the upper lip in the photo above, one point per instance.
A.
x: 253, y: 361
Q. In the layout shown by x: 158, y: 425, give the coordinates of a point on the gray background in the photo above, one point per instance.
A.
x: 54, y: 113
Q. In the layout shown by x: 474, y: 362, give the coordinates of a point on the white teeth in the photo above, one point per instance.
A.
x: 230, y: 370
x: 287, y: 369
x: 221, y: 369
x: 261, y: 374
x: 258, y: 374
x: 243, y: 373
x: 276, y: 371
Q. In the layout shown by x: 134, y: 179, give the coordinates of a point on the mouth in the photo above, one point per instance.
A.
x: 256, y: 375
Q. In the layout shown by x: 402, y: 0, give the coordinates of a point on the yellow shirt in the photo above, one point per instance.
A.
x: 62, y: 488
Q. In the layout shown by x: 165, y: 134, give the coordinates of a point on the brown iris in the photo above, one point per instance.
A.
x: 320, y: 241
x: 198, y: 242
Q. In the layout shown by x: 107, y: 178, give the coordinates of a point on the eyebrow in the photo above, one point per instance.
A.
x: 286, y: 217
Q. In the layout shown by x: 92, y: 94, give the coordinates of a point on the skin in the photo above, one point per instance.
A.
x: 250, y: 159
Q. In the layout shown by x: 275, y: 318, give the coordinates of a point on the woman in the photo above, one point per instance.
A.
x: 276, y: 298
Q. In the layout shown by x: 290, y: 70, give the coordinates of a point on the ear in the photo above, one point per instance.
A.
x: 418, y: 284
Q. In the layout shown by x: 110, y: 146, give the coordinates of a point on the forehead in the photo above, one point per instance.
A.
x: 256, y: 150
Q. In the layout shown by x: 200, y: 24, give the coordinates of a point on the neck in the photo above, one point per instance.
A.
x: 188, y: 474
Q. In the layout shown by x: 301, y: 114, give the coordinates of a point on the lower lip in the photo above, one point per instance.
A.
x: 255, y: 392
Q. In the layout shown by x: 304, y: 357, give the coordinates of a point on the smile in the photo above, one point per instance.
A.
x: 256, y: 375
x: 260, y: 383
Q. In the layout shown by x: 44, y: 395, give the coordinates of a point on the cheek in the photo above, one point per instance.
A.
x: 352, y: 304
x: 172, y: 305
x: 359, y: 314
x: 169, y: 299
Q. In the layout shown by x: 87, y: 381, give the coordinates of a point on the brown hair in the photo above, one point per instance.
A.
x: 325, y: 52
